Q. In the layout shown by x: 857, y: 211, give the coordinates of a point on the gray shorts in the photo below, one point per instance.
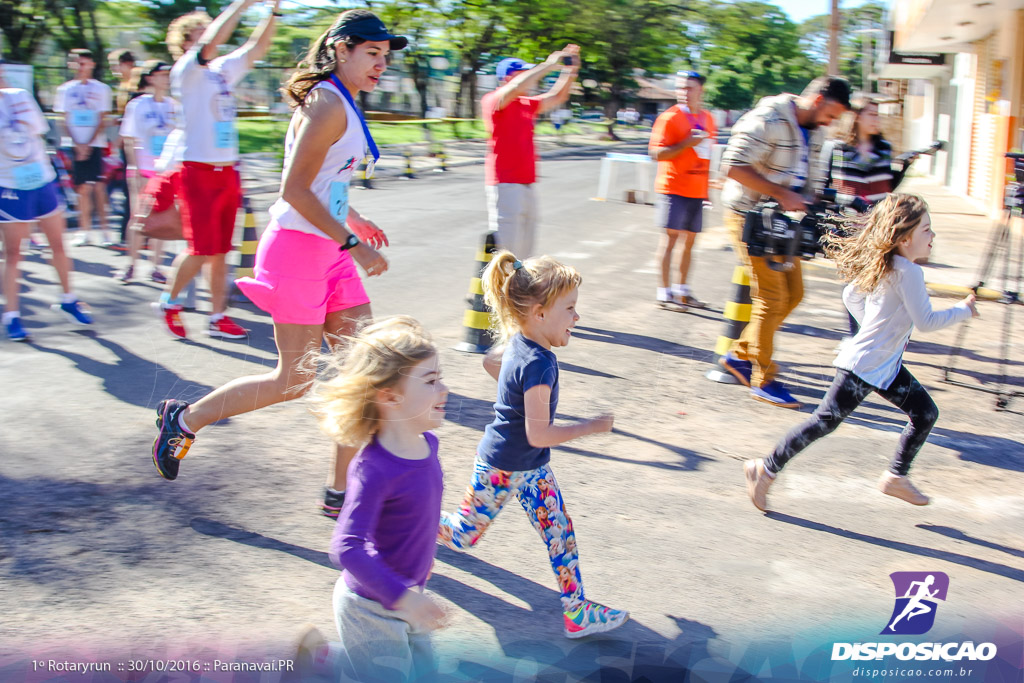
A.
x: 380, y: 646
x: 675, y: 212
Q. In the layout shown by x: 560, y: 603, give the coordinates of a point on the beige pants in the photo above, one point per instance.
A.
x: 512, y: 213
x: 773, y: 295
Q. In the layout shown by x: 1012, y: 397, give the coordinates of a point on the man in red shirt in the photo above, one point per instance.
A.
x: 681, y: 143
x: 510, y: 166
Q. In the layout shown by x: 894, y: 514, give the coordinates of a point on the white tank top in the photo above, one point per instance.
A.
x: 332, y: 180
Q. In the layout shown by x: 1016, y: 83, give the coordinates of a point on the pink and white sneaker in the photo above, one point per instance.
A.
x: 590, y: 618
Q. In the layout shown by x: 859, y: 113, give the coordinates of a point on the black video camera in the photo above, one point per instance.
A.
x: 767, y: 231
x: 907, y: 158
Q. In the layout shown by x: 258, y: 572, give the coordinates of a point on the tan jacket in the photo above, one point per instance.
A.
x: 768, y: 139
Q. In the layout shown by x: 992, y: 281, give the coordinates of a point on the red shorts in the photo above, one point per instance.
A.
x: 161, y: 188
x: 210, y: 198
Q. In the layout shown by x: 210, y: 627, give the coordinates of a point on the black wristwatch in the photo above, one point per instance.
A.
x: 350, y: 242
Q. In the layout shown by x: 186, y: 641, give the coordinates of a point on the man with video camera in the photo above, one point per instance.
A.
x: 775, y: 153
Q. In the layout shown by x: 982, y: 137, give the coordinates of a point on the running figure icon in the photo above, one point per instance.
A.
x: 916, y: 607
x: 917, y: 595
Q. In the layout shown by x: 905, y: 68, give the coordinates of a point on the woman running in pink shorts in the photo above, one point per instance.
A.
x: 305, y: 274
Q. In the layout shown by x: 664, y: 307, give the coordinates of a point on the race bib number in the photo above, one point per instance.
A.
x: 704, y: 149
x: 339, y: 201
x: 225, y: 135
x: 156, y: 145
x: 84, y: 118
x: 29, y: 176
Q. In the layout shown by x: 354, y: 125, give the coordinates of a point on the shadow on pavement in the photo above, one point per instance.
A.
x: 923, y: 551
x: 640, y: 341
x: 961, y: 536
x: 131, y: 379
x: 210, y: 527
x: 633, y: 649
x: 691, y: 461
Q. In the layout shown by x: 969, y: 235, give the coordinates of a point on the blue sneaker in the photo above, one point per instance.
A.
x: 75, y: 312
x: 15, y: 332
x: 740, y: 369
x: 776, y: 394
x: 172, y: 442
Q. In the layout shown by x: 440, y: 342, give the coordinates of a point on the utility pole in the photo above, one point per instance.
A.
x: 833, y: 41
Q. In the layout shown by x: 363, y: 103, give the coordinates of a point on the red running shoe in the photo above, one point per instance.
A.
x: 226, y: 328
x: 172, y: 319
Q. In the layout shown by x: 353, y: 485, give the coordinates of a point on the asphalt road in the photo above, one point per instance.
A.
x: 99, y: 554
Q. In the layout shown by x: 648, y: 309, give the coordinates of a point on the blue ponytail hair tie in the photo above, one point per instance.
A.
x: 516, y: 265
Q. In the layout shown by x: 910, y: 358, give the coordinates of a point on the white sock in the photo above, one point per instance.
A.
x: 10, y: 315
x: 181, y: 422
x: 335, y: 492
x: 663, y: 294
x: 768, y: 471
x: 68, y: 298
x: 682, y: 290
x: 215, y: 317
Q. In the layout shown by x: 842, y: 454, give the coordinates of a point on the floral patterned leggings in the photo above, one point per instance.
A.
x: 540, y: 496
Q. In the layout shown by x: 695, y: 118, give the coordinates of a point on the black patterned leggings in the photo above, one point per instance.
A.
x: 846, y: 393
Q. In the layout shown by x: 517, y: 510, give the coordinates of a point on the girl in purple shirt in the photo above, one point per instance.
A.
x: 387, y: 393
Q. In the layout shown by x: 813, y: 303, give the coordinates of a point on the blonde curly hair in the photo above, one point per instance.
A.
x: 376, y: 357
x: 864, y: 250
x: 182, y: 27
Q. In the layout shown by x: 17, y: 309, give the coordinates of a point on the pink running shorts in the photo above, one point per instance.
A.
x: 299, y: 278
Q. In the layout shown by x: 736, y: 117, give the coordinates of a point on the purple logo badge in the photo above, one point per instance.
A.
x: 917, y: 596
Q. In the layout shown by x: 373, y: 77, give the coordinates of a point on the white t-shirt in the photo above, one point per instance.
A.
x: 148, y: 123
x: 85, y: 104
x: 24, y: 164
x: 331, y: 183
x: 207, y: 101
x: 887, y: 316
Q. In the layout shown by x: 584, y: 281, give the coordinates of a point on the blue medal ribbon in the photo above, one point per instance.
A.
x: 362, y: 121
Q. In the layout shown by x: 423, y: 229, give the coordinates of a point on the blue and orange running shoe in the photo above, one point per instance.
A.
x: 173, y: 442
x: 590, y: 618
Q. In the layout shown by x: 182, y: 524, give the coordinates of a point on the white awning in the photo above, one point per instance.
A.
x: 947, y: 25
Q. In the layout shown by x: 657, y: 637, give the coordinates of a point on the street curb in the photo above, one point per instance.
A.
x: 399, y: 173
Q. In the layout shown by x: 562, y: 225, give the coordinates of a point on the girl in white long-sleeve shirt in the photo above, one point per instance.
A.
x: 887, y: 295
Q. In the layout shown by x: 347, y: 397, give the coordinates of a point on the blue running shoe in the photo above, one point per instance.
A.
x: 173, y: 442
x: 776, y: 394
x: 15, y: 332
x: 740, y: 369
x: 75, y: 312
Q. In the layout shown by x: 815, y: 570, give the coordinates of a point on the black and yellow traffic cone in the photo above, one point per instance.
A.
x: 737, y: 315
x: 442, y: 159
x: 477, y: 319
x: 246, y: 252
x: 409, y: 173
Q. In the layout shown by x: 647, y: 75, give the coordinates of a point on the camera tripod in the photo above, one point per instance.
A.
x: 999, y: 251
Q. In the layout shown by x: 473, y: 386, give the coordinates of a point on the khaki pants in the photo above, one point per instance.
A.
x: 512, y: 213
x: 773, y: 296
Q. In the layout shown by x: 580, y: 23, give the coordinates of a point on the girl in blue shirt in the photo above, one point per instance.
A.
x: 534, y: 303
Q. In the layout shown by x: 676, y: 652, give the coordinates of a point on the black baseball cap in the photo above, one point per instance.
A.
x: 368, y: 27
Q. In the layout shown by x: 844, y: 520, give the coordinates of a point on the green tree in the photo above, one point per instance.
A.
x: 858, y: 26
x: 750, y: 49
